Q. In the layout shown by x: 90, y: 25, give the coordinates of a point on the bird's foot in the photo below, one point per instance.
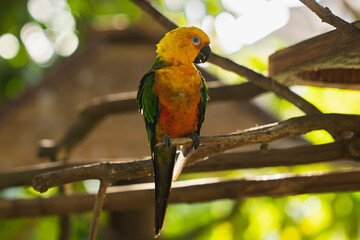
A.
x: 196, y: 139
x: 166, y: 139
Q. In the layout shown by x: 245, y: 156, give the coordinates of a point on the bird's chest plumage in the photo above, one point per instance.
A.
x: 178, y: 89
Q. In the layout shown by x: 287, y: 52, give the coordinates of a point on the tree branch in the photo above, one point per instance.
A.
x: 97, y: 209
x: 271, y: 132
x: 327, y: 16
x: 200, y: 190
x: 264, y: 82
x: 164, y: 21
x: 102, y: 171
x: 227, y: 161
x: 141, y: 168
x: 288, y: 128
x: 274, y: 157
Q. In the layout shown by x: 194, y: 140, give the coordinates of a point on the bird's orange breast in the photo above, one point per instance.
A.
x: 178, y: 89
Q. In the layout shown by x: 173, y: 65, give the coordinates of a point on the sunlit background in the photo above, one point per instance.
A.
x: 36, y: 34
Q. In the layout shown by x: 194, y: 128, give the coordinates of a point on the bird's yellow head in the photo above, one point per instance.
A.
x: 184, y: 45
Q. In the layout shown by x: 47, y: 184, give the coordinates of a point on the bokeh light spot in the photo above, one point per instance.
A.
x: 40, y: 10
x: 9, y: 46
x: 39, y: 47
x: 62, y: 21
x: 66, y: 43
x: 195, y: 11
x: 174, y: 6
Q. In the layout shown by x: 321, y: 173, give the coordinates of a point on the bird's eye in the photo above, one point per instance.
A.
x: 196, y: 40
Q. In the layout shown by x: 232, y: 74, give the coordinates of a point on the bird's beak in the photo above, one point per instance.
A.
x: 203, y: 55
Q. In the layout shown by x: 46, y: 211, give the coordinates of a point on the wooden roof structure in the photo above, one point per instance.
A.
x: 328, y: 60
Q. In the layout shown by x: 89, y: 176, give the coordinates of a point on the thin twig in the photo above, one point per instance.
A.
x: 141, y: 195
x: 327, y: 16
x: 97, y: 209
x: 65, y: 227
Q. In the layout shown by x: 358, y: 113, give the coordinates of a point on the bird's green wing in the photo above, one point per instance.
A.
x: 163, y: 160
x: 204, y: 97
x: 148, y: 101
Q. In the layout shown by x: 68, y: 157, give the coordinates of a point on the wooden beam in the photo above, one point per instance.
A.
x: 139, y: 196
x: 328, y: 60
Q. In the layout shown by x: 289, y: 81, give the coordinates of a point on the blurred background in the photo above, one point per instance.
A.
x: 58, y: 54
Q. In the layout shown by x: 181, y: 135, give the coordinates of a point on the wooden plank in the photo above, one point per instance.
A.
x: 331, y: 59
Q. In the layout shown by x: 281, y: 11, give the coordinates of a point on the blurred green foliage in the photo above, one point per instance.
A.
x: 21, y: 72
x: 319, y: 216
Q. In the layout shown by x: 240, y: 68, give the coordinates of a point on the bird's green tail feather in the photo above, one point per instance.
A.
x: 163, y: 167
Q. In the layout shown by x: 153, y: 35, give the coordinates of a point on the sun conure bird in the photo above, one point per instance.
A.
x: 172, y: 97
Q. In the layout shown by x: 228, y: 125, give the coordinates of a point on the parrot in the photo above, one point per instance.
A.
x: 172, y: 97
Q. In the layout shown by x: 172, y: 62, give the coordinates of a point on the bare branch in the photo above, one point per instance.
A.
x: 200, y: 190
x: 97, y: 209
x: 146, y: 7
x: 274, y: 157
x: 265, y: 82
x: 102, y: 171
x: 327, y: 16
x: 288, y: 128
x: 268, y: 133
x: 136, y: 169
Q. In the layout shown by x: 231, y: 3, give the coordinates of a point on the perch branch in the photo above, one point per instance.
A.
x: 238, y: 160
x: 271, y: 132
x: 325, y: 14
x: 24, y: 175
x: 102, y: 171
x: 136, y: 169
x: 141, y: 195
x: 267, y: 133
